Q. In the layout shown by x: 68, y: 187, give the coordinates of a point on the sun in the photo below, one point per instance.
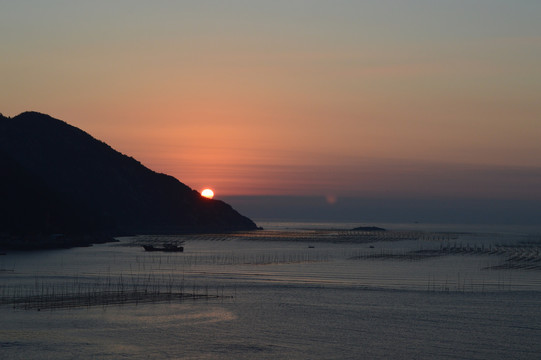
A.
x: 209, y: 194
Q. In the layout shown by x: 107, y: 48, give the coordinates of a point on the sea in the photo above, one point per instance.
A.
x: 290, y: 291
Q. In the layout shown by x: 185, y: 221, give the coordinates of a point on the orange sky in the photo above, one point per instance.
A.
x: 340, y: 98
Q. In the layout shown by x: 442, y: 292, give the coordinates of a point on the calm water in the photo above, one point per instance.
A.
x: 286, y: 294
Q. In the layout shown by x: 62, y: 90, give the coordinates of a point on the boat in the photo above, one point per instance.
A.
x: 165, y: 247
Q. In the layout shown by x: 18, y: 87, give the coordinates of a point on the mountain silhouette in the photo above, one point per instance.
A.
x: 57, y: 179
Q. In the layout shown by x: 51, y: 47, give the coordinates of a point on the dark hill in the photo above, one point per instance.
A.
x: 33, y: 216
x: 66, y: 171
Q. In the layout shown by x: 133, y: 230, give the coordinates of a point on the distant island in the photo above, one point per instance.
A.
x: 60, y: 187
x: 368, y: 228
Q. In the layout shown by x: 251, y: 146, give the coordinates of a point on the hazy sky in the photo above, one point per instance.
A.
x: 331, y: 98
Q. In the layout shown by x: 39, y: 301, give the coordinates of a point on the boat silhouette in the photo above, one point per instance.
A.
x: 165, y: 247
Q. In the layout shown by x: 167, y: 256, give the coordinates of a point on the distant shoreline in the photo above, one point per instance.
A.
x: 50, y: 242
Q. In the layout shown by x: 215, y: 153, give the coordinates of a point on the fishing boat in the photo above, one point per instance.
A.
x: 165, y: 247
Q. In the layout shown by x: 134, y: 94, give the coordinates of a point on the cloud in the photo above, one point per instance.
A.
x: 371, y: 177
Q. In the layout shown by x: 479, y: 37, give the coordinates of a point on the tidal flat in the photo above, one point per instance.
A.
x: 296, y: 293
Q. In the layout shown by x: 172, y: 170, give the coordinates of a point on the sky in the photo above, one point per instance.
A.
x: 335, y: 99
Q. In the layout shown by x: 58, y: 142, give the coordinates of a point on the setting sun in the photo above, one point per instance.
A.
x: 209, y: 194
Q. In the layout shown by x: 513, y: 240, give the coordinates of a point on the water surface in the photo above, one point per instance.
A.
x: 304, y: 296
